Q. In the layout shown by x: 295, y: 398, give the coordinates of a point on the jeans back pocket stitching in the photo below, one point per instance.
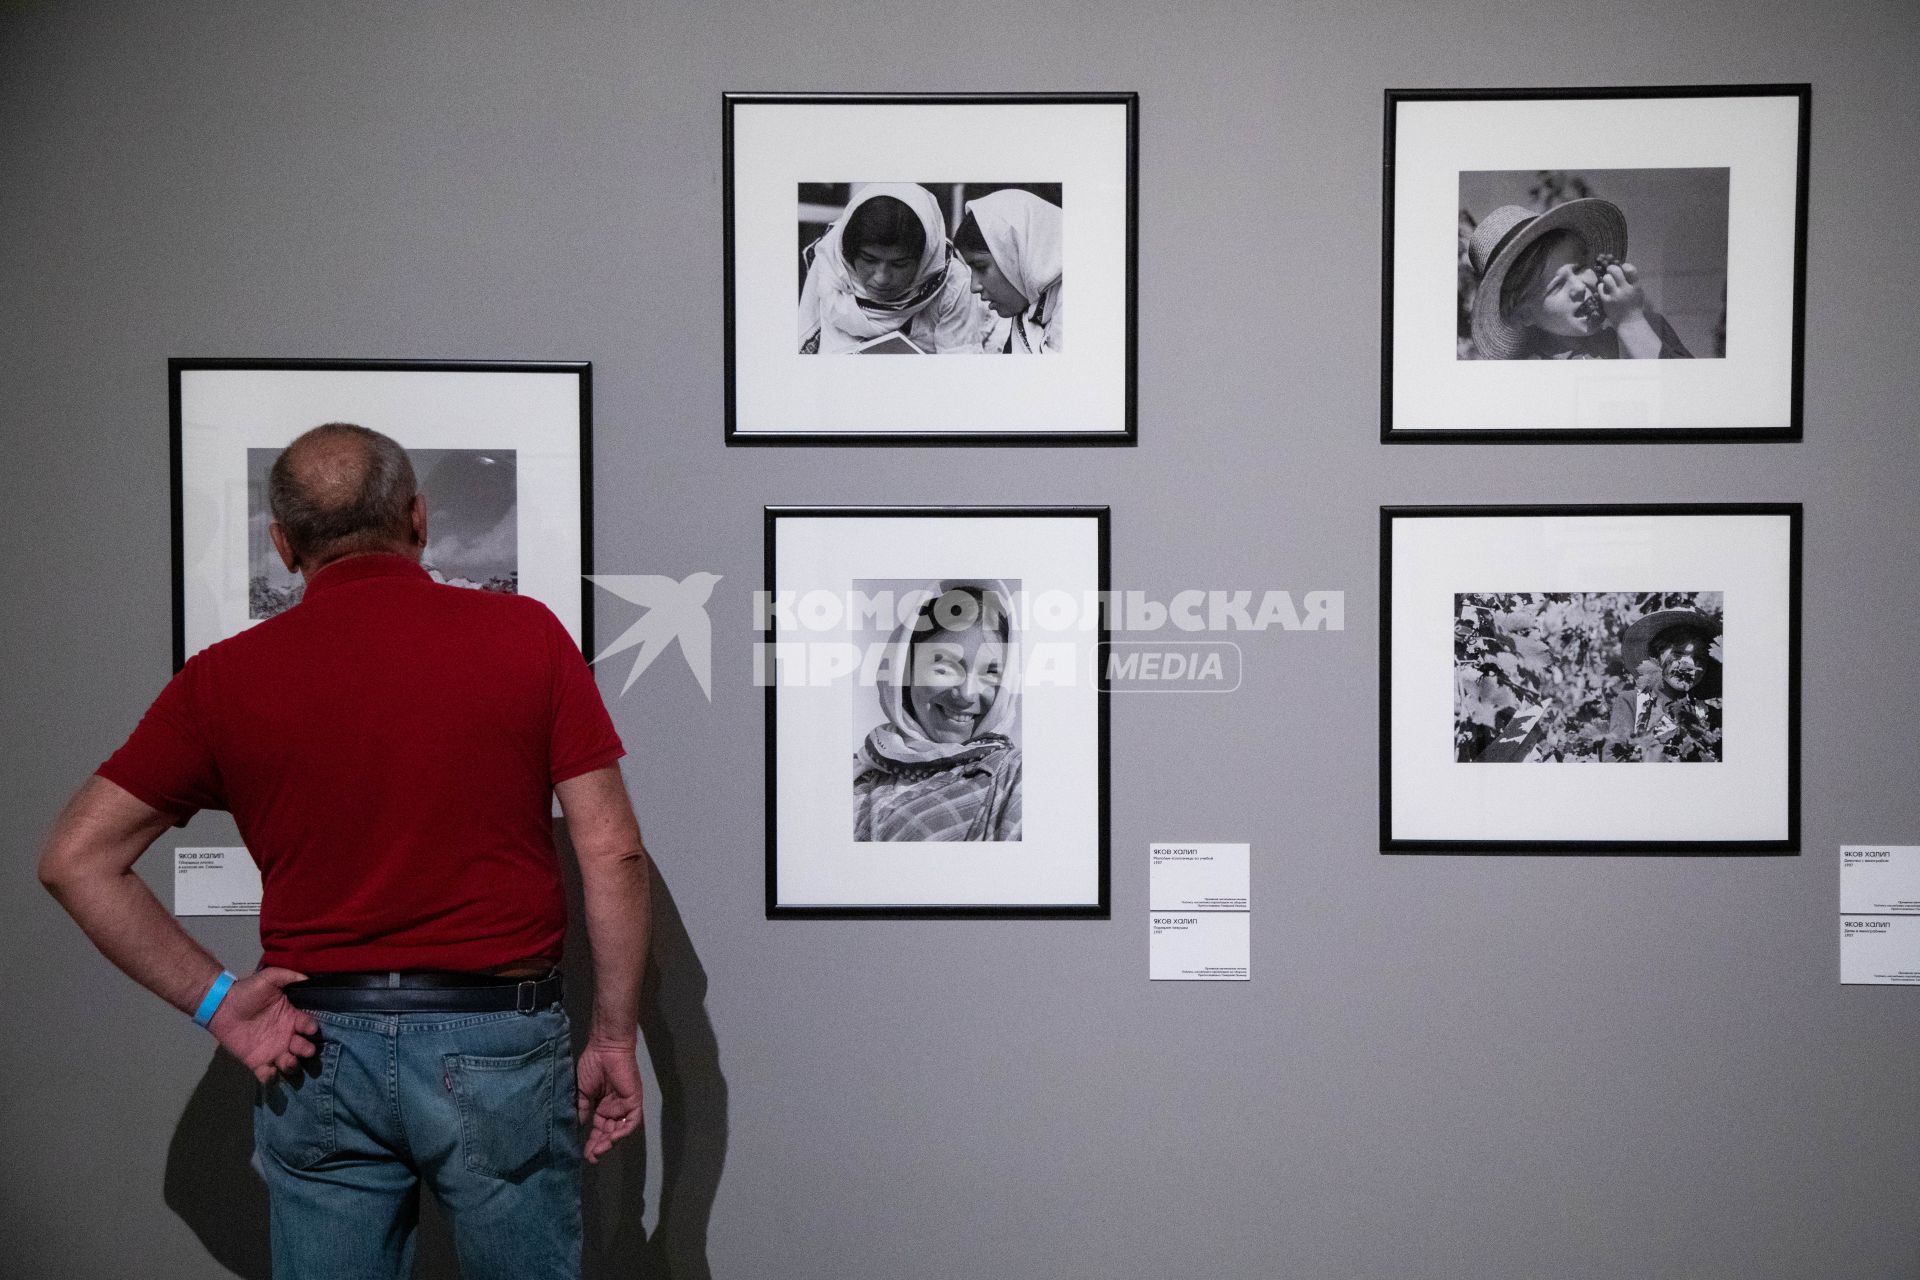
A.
x: 326, y: 1138
x: 459, y: 1065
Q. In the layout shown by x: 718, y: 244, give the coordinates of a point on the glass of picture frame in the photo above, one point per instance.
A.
x: 501, y: 450
x: 1590, y: 679
x: 936, y: 718
x: 942, y: 225
x: 1625, y: 264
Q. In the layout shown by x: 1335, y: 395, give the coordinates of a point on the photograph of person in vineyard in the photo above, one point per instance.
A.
x: 1675, y: 698
x: 1598, y: 677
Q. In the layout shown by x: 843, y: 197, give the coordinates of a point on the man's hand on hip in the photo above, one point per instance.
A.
x: 258, y: 1025
x: 607, y: 1091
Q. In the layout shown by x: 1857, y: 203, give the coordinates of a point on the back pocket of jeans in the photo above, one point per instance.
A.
x: 293, y: 1116
x: 506, y: 1110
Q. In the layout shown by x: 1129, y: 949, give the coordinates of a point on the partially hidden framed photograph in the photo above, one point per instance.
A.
x: 1626, y: 264
x: 502, y: 452
x: 943, y: 225
x: 1590, y: 679
x: 936, y: 737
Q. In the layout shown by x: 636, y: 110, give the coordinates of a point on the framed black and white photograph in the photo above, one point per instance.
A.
x: 936, y: 719
x: 929, y: 225
x: 1626, y: 263
x: 501, y: 452
x: 1603, y: 679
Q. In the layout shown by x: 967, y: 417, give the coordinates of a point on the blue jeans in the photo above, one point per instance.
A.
x: 479, y: 1107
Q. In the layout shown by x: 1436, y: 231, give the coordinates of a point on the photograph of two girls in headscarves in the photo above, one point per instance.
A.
x: 1593, y: 264
x: 930, y: 268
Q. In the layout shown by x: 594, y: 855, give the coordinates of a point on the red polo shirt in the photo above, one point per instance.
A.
x: 388, y: 748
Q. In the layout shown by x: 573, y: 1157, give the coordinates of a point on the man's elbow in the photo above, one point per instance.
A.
x: 615, y: 856
x: 58, y: 870
x: 97, y: 838
x: 615, y: 862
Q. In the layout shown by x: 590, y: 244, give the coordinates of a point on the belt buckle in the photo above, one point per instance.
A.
x: 525, y: 996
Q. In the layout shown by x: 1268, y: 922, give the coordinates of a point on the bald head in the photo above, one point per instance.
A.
x: 342, y: 490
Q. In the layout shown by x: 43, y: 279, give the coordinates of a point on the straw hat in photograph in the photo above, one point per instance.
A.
x: 1500, y: 239
x: 1636, y: 643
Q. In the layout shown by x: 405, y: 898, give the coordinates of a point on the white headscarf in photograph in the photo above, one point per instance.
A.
x: 833, y: 297
x: 902, y: 740
x: 1023, y: 232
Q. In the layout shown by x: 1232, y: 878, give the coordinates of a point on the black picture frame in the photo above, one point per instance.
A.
x: 1101, y: 908
x: 580, y: 370
x: 1786, y: 844
x: 1790, y: 428
x: 1126, y: 433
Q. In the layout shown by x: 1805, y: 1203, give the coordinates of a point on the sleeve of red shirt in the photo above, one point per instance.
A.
x: 169, y: 763
x: 582, y: 734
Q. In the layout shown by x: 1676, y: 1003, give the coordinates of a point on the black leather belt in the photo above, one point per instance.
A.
x: 424, y: 992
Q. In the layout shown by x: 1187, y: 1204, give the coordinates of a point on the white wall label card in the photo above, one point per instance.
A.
x: 1200, y: 877
x: 1880, y: 879
x: 215, y: 882
x: 1199, y: 913
x: 1880, y: 914
x: 1880, y: 950
x: 1200, y: 946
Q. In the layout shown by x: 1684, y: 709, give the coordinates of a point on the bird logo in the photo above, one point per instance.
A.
x: 674, y: 611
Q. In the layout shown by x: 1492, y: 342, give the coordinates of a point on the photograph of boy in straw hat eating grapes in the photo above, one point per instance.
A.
x: 1547, y: 274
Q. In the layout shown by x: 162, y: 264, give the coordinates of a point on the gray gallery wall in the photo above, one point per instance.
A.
x: 1444, y: 1067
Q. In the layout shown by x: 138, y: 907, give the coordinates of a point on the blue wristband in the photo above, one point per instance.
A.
x: 210, y: 1003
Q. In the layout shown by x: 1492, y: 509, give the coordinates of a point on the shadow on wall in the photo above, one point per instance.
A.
x: 211, y: 1185
x: 693, y: 1109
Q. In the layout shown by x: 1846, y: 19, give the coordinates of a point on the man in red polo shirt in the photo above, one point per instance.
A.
x: 389, y: 749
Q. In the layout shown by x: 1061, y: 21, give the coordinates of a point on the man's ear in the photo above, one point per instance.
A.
x: 284, y: 547
x: 417, y: 519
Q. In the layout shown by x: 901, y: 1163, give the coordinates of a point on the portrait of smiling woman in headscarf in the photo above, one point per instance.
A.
x: 885, y: 267
x: 944, y: 764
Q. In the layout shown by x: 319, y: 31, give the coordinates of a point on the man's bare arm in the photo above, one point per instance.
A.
x: 88, y: 865
x: 615, y: 885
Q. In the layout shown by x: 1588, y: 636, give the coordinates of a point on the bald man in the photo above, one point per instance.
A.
x: 390, y: 749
